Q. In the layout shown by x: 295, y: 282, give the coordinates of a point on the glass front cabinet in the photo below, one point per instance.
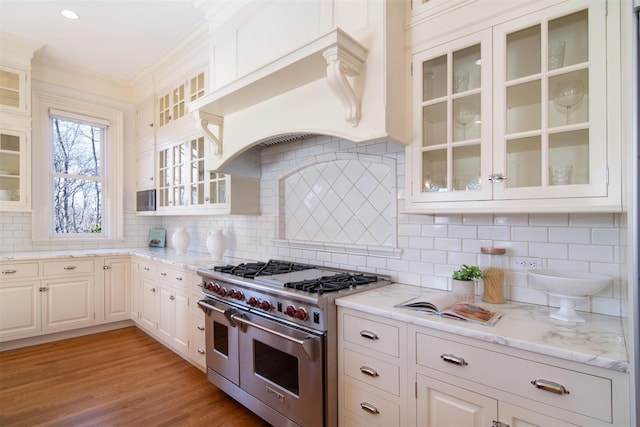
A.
x: 186, y: 186
x: 515, y: 113
x: 14, y: 175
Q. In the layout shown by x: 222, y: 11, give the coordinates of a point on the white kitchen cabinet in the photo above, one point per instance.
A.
x: 145, y: 114
x: 474, y: 383
x: 518, y: 113
x: 15, y: 170
x: 172, y: 104
x: 117, y: 288
x: 20, y: 311
x: 145, y: 168
x: 164, y: 300
x: 186, y: 186
x: 67, y: 303
x: 372, y: 375
x: 14, y: 93
x: 197, y: 345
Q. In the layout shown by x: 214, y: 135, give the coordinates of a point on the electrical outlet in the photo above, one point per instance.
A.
x: 521, y: 263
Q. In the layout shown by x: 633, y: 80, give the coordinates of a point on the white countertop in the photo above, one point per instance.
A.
x: 598, y: 342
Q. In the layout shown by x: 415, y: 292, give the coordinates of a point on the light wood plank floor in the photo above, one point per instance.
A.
x: 116, y: 378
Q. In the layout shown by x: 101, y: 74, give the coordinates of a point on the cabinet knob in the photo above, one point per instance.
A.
x: 497, y: 177
x: 201, y: 351
x: 172, y: 297
x: 153, y: 289
x: 200, y: 327
x: 106, y: 267
x: 549, y: 386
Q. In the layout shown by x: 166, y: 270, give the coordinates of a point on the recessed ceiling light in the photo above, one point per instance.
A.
x: 69, y: 14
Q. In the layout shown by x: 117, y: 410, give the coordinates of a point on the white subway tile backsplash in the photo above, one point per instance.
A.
x: 569, y: 234
x: 597, y: 253
x: 494, y: 232
x: 605, y: 236
x: 530, y: 234
x: 548, y: 250
x: 549, y: 219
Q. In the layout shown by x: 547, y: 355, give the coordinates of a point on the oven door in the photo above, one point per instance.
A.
x: 282, y: 366
x: 221, y: 339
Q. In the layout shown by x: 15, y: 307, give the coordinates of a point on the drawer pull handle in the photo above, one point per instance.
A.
x: 200, y: 327
x: 369, y: 371
x: 43, y: 289
x: 179, y: 278
x: 147, y: 269
x: 163, y: 274
x: 452, y: 358
x: 9, y: 271
x: 368, y: 407
x: 70, y: 267
x: 369, y: 335
x: 549, y: 386
x: 201, y: 351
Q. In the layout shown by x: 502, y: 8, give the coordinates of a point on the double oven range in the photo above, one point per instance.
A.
x: 271, y: 336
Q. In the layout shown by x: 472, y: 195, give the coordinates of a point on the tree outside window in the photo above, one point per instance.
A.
x: 78, y: 176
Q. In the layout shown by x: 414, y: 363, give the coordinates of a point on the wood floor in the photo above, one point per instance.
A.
x: 116, y: 378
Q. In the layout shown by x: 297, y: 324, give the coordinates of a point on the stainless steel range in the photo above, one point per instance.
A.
x: 271, y: 336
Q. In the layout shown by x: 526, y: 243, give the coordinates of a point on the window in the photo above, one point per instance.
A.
x: 78, y: 175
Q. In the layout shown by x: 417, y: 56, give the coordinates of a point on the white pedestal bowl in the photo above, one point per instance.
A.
x: 569, y: 286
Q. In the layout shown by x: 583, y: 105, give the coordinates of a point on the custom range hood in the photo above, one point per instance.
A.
x: 280, y: 70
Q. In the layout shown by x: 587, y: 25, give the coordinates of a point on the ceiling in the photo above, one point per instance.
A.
x: 116, y: 38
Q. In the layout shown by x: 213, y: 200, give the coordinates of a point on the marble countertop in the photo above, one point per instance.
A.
x: 598, y: 342
x: 190, y: 260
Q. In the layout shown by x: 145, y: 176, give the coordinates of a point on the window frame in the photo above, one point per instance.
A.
x: 45, y: 106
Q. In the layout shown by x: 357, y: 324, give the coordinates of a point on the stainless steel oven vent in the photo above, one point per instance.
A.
x: 284, y: 138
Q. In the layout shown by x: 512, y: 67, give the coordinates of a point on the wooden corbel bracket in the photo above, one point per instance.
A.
x: 340, y: 64
x: 211, y: 127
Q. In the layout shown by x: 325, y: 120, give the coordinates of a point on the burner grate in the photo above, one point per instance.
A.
x: 332, y: 283
x: 252, y: 269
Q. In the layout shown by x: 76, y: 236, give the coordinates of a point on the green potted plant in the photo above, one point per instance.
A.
x: 464, y: 282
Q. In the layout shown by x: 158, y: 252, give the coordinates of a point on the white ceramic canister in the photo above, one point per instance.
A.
x: 216, y: 244
x: 181, y: 240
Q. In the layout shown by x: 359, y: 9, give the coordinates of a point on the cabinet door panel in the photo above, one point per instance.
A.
x: 149, y: 304
x: 441, y: 404
x: 117, y: 291
x: 19, y: 308
x: 516, y: 416
x: 550, y: 137
x: 68, y: 303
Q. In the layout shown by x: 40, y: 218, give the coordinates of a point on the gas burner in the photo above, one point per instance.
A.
x: 333, y: 283
x: 253, y: 269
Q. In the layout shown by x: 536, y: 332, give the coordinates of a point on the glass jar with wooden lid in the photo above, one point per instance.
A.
x: 492, y: 264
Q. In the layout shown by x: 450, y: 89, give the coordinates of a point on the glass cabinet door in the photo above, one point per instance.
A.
x: 197, y: 195
x: 545, y: 104
x: 164, y: 171
x: 13, y: 158
x: 452, y: 149
x: 12, y: 89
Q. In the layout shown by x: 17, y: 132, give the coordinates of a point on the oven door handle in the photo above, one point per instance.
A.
x: 228, y: 313
x: 307, y: 344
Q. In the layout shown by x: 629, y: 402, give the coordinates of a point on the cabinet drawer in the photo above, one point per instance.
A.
x: 374, y: 335
x: 374, y: 372
x: 589, y: 395
x: 70, y: 266
x: 173, y: 275
x: 18, y: 270
x: 375, y: 410
x: 147, y: 267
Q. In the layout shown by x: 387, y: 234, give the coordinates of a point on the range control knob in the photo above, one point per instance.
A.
x: 301, y: 314
x: 290, y: 310
x: 264, y: 305
x: 252, y: 301
x: 222, y: 292
x: 236, y: 294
